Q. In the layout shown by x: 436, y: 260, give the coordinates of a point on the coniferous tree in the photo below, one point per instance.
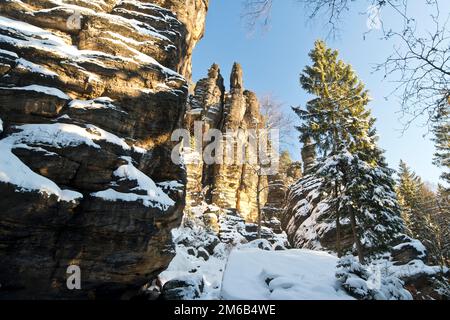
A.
x: 352, y: 167
x: 442, y: 144
x: 338, y: 115
x: 440, y: 227
x: 426, y: 214
x: 409, y: 187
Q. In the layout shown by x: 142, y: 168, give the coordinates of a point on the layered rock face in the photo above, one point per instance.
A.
x: 231, y: 184
x: 90, y: 92
x: 302, y: 215
x: 278, y: 184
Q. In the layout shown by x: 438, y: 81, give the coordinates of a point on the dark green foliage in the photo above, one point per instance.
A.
x: 351, y: 166
x: 426, y: 214
x: 442, y: 144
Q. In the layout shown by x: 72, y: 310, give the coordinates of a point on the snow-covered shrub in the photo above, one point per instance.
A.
x: 390, y: 288
x: 259, y: 243
x: 186, y: 287
x: 370, y: 282
x: 442, y: 284
x: 353, y: 277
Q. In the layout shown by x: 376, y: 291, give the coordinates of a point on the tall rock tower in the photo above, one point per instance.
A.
x: 308, y: 155
x: 228, y: 185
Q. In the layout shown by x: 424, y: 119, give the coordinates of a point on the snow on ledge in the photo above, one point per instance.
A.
x: 155, y: 196
x: 35, y: 68
x: 15, y: 172
x: 98, y: 103
x: 414, y: 243
x: 414, y: 268
x: 112, y: 195
x: 64, y: 135
x: 42, y: 89
x: 47, y: 41
x: 9, y: 54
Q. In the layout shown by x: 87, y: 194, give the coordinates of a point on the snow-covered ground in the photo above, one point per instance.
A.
x: 255, y: 274
x: 196, y: 270
x: 202, y: 251
x: 188, y: 265
x: 224, y: 260
x: 231, y: 264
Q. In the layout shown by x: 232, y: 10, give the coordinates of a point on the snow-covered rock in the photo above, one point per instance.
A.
x: 16, y: 173
x: 89, y: 93
x: 152, y: 195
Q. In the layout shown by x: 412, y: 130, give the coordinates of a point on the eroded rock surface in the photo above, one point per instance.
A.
x: 231, y: 184
x: 90, y: 92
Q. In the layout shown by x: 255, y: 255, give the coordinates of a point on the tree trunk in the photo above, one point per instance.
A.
x: 338, y: 236
x: 258, y: 203
x: 258, y: 187
x: 338, y: 225
x: 356, y: 238
x: 336, y: 191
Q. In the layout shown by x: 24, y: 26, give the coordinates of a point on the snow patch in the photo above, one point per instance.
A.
x: 35, y: 68
x: 99, y: 103
x: 15, y: 172
x: 154, y: 197
x: 65, y: 135
x: 42, y: 89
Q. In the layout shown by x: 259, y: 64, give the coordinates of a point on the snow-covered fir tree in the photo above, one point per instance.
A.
x: 353, y: 173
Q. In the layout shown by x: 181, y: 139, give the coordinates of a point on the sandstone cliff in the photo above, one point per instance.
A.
x: 230, y: 186
x: 90, y: 92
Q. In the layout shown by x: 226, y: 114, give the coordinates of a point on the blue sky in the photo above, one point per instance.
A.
x: 273, y: 59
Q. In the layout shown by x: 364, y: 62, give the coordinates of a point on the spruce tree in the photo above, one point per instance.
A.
x: 408, y: 190
x: 338, y: 116
x: 351, y: 166
x: 426, y: 214
x: 442, y: 144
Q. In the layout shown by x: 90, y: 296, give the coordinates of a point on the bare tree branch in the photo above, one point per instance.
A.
x: 275, y: 118
x: 419, y: 64
x: 257, y: 12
